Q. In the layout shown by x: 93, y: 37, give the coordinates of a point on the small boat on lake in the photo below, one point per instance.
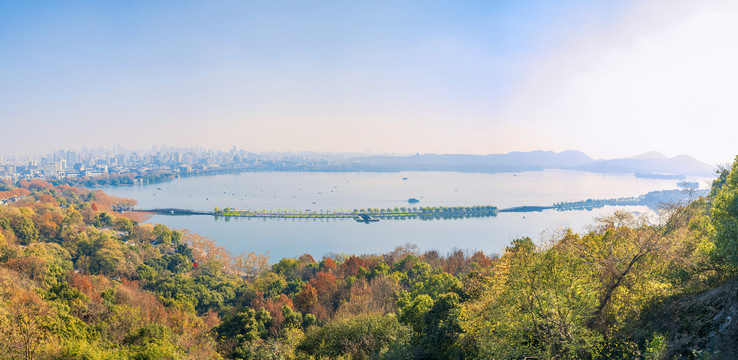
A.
x: 413, y: 200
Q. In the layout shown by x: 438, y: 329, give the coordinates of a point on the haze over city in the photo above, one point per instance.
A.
x: 609, y: 78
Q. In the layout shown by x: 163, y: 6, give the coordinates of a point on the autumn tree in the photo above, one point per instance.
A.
x: 29, y: 320
x: 627, y: 252
x: 32, y: 266
x: 353, y: 266
x: 537, y: 306
x: 325, y: 284
x: 306, y: 299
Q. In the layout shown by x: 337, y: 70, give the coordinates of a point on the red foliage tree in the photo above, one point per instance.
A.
x: 306, y: 259
x: 353, y: 266
x: 325, y: 284
x: 328, y: 265
x: 274, y: 307
x: 457, y: 263
x: 306, y: 299
x: 481, y: 259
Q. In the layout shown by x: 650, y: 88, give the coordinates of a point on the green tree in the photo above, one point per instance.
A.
x: 411, y: 312
x: 123, y: 224
x: 146, y: 272
x: 163, y: 235
x: 725, y: 216
x: 538, y: 305
x: 436, y: 285
x: 292, y: 319
x: 270, y: 284
x: 245, y: 326
x: 289, y: 268
x: 441, y: 329
x: 103, y: 219
x: 24, y: 229
x: 177, y: 263
x: 361, y: 337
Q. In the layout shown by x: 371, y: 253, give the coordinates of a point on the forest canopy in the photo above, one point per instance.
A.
x: 80, y: 280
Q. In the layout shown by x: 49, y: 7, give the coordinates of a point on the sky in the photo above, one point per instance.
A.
x: 609, y: 78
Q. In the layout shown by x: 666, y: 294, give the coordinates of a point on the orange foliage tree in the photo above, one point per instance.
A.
x: 353, y: 266
x: 206, y: 252
x: 4, y: 195
x: 306, y: 299
x: 35, y: 184
x: 325, y: 284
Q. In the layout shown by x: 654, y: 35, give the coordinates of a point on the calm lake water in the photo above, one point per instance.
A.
x: 279, y: 191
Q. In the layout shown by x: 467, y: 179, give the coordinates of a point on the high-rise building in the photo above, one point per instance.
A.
x: 71, y: 157
x: 51, y: 169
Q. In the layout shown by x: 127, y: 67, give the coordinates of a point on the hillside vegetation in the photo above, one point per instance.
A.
x: 80, y: 281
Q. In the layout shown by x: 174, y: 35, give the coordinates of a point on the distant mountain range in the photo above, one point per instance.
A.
x: 648, y: 163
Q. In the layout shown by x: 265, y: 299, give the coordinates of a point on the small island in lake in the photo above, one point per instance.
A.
x: 660, y: 176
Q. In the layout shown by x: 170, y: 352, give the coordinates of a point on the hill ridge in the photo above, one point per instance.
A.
x: 516, y: 161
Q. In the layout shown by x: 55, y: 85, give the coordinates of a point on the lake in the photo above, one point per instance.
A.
x: 280, y: 191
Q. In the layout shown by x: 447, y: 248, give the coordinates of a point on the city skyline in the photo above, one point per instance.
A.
x: 612, y: 79
x: 117, y: 149
x: 121, y: 166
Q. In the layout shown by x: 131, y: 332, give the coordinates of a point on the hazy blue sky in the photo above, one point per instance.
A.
x: 610, y: 78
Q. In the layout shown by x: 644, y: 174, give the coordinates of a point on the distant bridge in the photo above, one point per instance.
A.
x: 173, y: 211
x: 526, y: 209
x: 369, y: 215
x: 431, y: 212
